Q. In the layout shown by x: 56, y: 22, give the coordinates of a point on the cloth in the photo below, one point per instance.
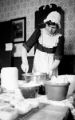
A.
x: 33, y: 40
x: 42, y: 62
x: 43, y: 58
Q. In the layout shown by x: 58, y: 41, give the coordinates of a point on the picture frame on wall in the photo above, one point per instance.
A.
x: 19, y: 29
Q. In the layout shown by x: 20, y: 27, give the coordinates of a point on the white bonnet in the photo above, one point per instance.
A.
x: 54, y: 16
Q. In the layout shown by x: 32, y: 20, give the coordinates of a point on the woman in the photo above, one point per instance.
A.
x: 50, y: 46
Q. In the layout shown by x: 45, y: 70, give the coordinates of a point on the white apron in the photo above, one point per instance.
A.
x: 43, y: 61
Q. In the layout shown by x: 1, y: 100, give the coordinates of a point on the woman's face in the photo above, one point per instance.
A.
x: 51, y: 29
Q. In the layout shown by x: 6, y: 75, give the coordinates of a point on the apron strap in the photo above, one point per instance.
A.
x: 44, y: 49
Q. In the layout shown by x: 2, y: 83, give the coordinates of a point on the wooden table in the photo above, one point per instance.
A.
x: 48, y: 112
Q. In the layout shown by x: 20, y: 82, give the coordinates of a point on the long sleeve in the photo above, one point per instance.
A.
x: 60, y: 48
x: 32, y: 40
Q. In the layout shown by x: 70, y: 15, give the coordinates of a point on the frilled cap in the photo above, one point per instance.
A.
x: 55, y: 17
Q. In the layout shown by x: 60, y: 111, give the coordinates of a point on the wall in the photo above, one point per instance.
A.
x: 10, y: 9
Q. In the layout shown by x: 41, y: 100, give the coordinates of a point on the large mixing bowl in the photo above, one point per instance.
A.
x: 56, y: 91
x: 35, y: 77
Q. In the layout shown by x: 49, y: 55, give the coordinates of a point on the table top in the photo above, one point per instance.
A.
x: 48, y: 109
x: 48, y: 112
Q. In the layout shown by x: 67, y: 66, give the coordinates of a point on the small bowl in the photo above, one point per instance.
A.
x: 29, y: 92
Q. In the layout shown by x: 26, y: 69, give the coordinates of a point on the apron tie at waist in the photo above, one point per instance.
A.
x: 44, y: 49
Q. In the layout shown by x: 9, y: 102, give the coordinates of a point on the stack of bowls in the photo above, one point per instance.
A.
x: 35, y: 79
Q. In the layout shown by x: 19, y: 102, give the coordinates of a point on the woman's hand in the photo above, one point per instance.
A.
x: 25, y: 67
